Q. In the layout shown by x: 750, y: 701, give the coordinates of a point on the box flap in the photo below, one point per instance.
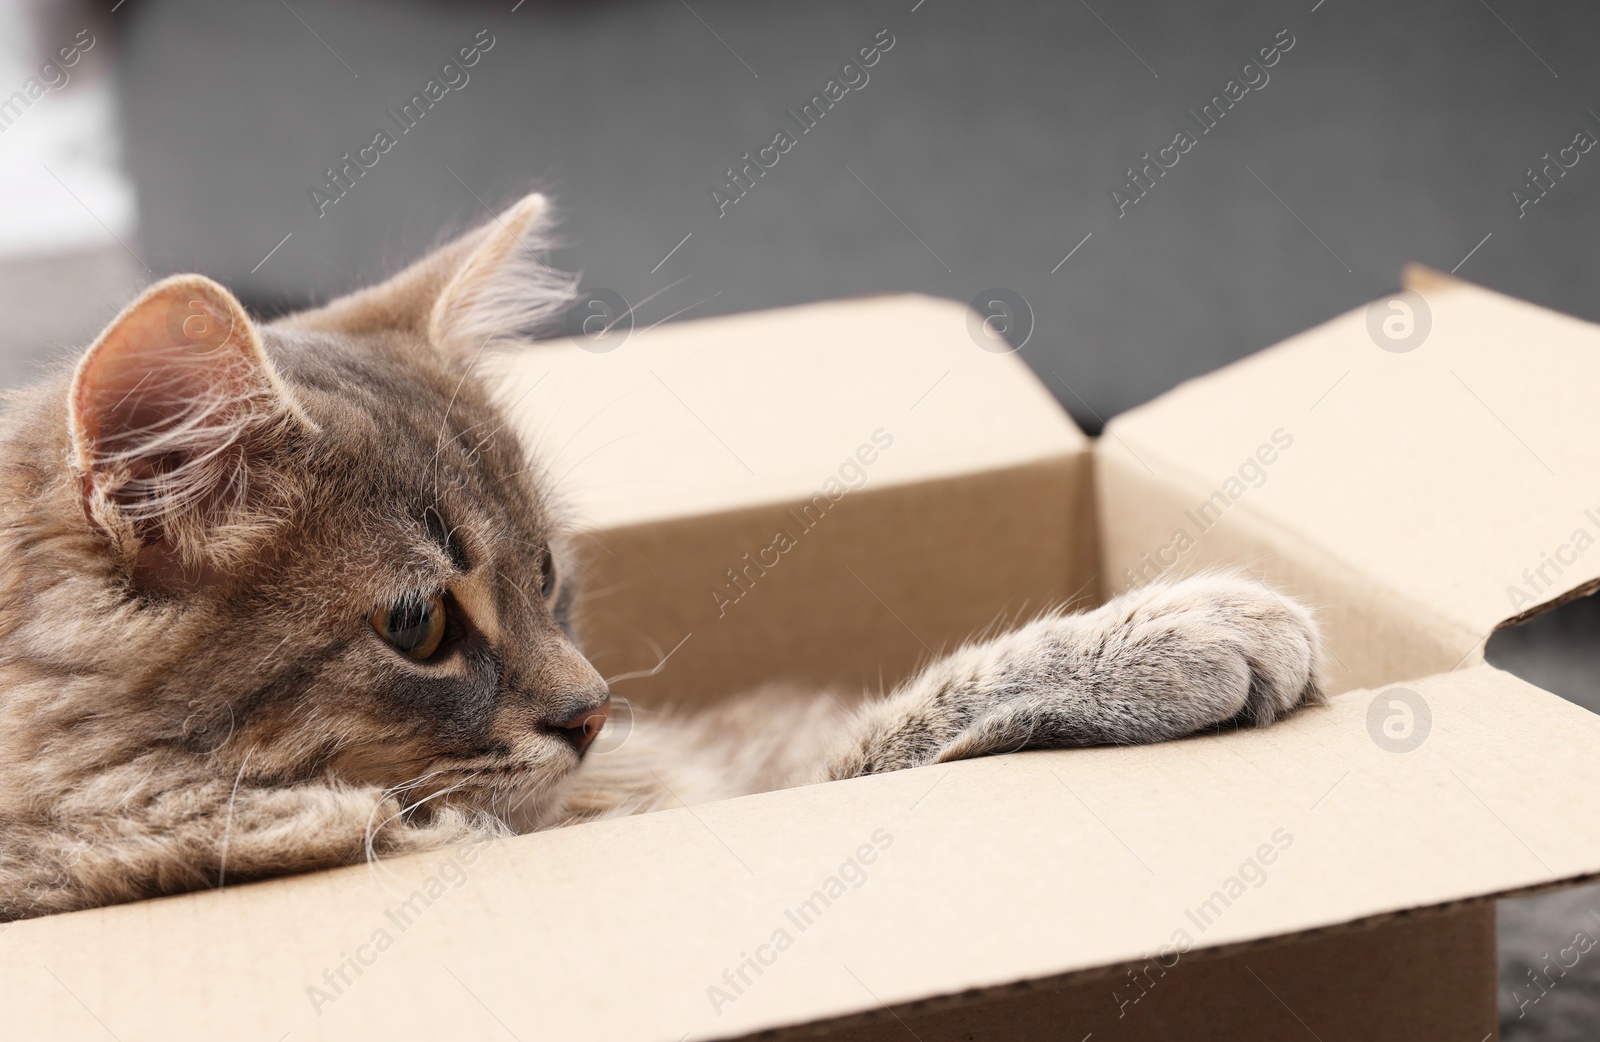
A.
x: 698, y: 417
x: 1436, y: 449
x: 980, y: 874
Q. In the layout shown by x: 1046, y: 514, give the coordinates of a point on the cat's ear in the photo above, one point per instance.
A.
x: 490, y: 285
x: 167, y: 411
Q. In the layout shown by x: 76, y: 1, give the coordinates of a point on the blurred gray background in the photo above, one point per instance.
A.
x: 993, y: 133
x: 981, y: 153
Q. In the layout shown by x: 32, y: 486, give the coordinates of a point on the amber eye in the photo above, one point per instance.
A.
x: 415, y: 625
x: 547, y: 586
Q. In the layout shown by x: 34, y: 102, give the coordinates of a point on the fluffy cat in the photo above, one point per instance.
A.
x: 279, y: 597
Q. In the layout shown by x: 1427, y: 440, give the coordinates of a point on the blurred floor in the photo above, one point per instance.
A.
x: 1539, y: 1000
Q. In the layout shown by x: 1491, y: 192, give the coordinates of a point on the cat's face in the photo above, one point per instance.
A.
x: 421, y: 584
x: 335, y: 555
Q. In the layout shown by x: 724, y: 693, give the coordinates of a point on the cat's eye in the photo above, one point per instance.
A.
x: 415, y: 625
x: 547, y: 585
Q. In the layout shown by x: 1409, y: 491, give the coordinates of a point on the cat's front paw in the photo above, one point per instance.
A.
x: 1226, y: 646
x: 1157, y: 663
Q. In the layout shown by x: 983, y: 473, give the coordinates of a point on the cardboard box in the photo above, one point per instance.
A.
x: 1329, y: 876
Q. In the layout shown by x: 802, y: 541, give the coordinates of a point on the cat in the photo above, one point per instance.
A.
x: 285, y: 596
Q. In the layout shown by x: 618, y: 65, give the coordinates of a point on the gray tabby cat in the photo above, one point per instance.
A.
x: 277, y: 597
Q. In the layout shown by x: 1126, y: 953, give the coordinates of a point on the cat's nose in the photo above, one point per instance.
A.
x: 584, y: 726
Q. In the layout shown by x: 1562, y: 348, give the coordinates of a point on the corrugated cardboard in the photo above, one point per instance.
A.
x: 1306, y: 873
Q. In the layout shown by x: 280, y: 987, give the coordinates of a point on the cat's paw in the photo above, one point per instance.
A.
x: 1157, y: 663
x: 1218, y: 648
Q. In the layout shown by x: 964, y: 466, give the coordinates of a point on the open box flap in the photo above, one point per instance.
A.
x: 1437, y: 448
x: 731, y: 412
x: 982, y: 873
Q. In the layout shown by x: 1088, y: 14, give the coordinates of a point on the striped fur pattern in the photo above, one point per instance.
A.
x: 201, y: 519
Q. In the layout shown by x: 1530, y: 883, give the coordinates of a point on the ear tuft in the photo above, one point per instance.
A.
x: 167, y: 410
x: 504, y: 291
x: 488, y: 287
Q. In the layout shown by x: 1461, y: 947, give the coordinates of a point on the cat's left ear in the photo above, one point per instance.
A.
x: 490, y: 285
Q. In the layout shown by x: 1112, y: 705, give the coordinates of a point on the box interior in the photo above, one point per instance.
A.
x: 1415, y: 490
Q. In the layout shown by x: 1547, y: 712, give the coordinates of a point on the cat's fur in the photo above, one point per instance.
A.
x: 199, y: 521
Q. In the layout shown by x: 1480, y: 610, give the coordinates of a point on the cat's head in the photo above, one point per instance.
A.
x: 314, y: 547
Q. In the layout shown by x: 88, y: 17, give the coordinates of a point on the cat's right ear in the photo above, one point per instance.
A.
x: 171, y: 412
x: 489, y: 286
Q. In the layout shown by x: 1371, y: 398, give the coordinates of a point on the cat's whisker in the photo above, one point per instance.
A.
x: 510, y: 411
x: 232, y: 723
x: 134, y: 788
x: 555, y: 457
x: 394, y: 791
x: 227, y: 827
x: 634, y: 307
x: 391, y: 792
x: 571, y: 560
x: 503, y: 794
x: 275, y: 649
x: 539, y: 465
x: 444, y: 420
x: 661, y: 663
x: 372, y: 834
x: 405, y: 788
x: 520, y: 592
x: 462, y: 433
x: 675, y: 314
x: 400, y: 763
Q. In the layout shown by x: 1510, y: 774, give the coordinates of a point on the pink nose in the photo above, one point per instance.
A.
x: 585, y: 726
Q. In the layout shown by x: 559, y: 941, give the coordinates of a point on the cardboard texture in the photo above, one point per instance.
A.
x: 1420, y: 486
x: 1423, y: 976
x: 1333, y: 870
